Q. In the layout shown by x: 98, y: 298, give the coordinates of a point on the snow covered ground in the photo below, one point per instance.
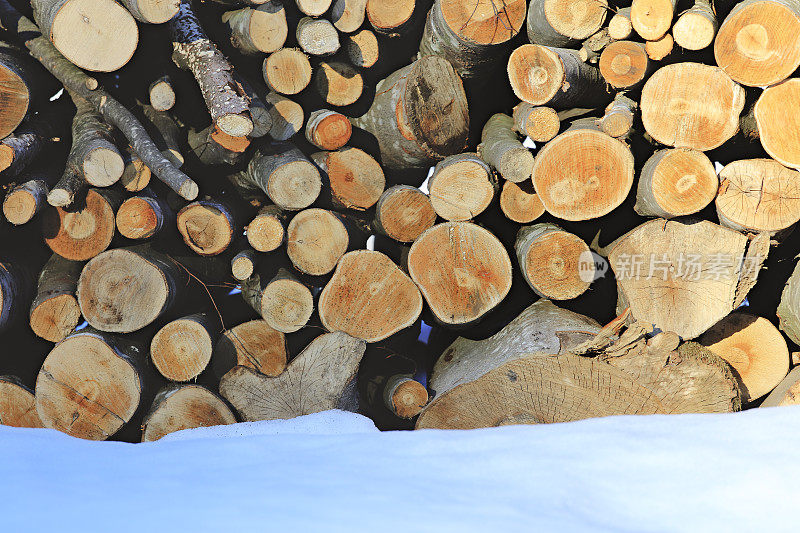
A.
x: 335, y: 472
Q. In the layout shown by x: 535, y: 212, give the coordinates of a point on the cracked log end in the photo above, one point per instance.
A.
x: 80, y: 234
x: 17, y: 405
x: 520, y: 203
x: 253, y: 344
x: 55, y: 318
x: 206, y: 227
x: 185, y: 407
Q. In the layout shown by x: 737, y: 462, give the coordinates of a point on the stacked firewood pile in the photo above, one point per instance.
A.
x: 447, y: 214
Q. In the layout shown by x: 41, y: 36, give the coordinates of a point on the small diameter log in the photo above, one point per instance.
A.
x: 691, y: 105
x: 243, y: 264
x: 419, y: 114
x: 758, y: 195
x: 404, y: 397
x: 392, y: 17
x: 473, y: 36
x: 593, y: 46
x: 193, y: 51
x: 165, y: 134
x: 93, y: 150
x: 624, y: 64
x: 90, y: 385
x: 696, y: 27
x: 758, y: 44
x: 675, y: 182
x: 143, y: 216
x: 287, y: 71
x: 403, y: 213
x: 317, y: 37
x: 315, y: 241
x: 55, y: 311
x: 136, y: 175
x: 208, y: 227
x: 501, y: 148
x: 283, y: 302
x: 19, y: 87
x: 267, y: 231
x: 652, y: 18
x: 179, y: 407
x: 161, y: 94
x: 17, y: 404
x: 564, y: 23
x: 285, y: 174
x: 327, y: 370
x: 786, y: 393
x: 96, y: 35
x: 287, y: 116
x: 661, y: 48
x: 353, y: 178
x: 754, y: 347
x: 338, y: 83
x: 125, y: 289
x: 348, y: 15
x: 181, y: 349
x: 313, y: 8
x: 462, y: 270
x: 555, y: 77
x: 583, y: 173
x: 777, y: 119
x: 27, y: 200
x: 81, y: 234
x: 253, y: 344
x: 789, y: 306
x: 620, y: 27
x: 556, y: 264
x: 539, y: 123
x: 369, y: 297
x: 153, y: 11
x: 328, y: 130
x: 461, y: 187
x: 362, y: 49
x: 215, y: 147
x: 255, y: 30
x: 26, y: 145
x: 520, y: 203
x: 618, y: 118
x: 703, y: 269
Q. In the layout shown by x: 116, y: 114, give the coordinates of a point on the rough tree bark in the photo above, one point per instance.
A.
x: 502, y: 149
x: 55, y: 311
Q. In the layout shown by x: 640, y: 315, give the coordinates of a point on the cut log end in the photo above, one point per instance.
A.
x: 206, y: 228
x: 778, y: 120
x: 620, y: 27
x: 652, y: 18
x: 55, y: 318
x: 461, y: 188
x: 675, y: 183
x: 316, y: 240
x: 331, y: 132
x: 286, y: 305
x: 404, y: 213
x: 484, y: 23
x: 624, y: 64
x: 20, y: 206
x: 694, y: 30
x: 386, y: 16
x: 537, y: 122
x: 356, y: 179
x: 520, y: 203
x: 136, y: 175
x: 661, y: 48
x: 254, y: 344
x: 138, y: 218
x: 536, y: 73
x: 406, y: 397
x: 242, y: 267
x: 80, y: 234
x: 17, y: 405
x: 338, y: 83
x: 235, y: 125
x: 15, y: 95
x: 556, y: 264
x: 362, y: 49
x: 287, y: 71
x: 265, y: 233
x: 182, y: 349
x: 103, y: 167
x: 187, y: 407
x: 295, y: 185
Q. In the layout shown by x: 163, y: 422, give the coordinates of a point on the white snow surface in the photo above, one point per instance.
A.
x: 334, y: 471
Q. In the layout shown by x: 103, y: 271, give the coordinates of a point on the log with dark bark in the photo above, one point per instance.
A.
x: 55, y: 311
x: 243, y: 264
x: 179, y: 407
x: 28, y: 199
x: 161, y: 94
x: 27, y: 144
x: 208, y: 227
x: 215, y: 147
x: 16, y: 290
x: 165, y: 133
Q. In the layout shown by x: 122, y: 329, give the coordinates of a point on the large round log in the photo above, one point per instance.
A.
x: 179, y: 407
x: 81, y: 234
x: 675, y: 182
x: 564, y: 23
x: 253, y: 344
x: 181, y: 349
x: 652, y: 18
x: 778, y: 122
x: 316, y: 240
x: 403, y: 213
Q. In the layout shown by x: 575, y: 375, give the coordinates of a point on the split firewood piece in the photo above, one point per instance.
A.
x: 758, y: 44
x: 108, y: 35
x: 243, y: 264
x: 153, y: 11
x: 403, y: 396
x: 286, y: 175
x: 462, y: 187
x: 267, y: 231
x: 254, y: 344
x: 28, y: 199
x: 676, y: 182
x: 705, y: 270
x: 353, y: 179
x: 144, y: 216
x: 789, y: 306
x: 362, y: 49
x: 786, y: 393
x: 208, y: 227
x: 348, y: 15
x: 652, y: 18
x: 161, y: 94
x: 136, y: 175
x: 55, y: 311
x: 620, y: 27
x: 758, y: 195
x: 179, y: 407
x: 26, y: 145
x: 462, y: 270
x: 260, y: 29
x: 313, y: 8
x: 754, y: 347
x: 403, y: 213
x: 777, y: 119
x: 555, y: 77
x: 165, y: 133
x: 502, y: 149
x: 125, y: 289
x: 587, y: 186
x: 93, y: 150
x: 520, y: 203
x: 328, y: 130
x: 696, y: 27
x: 287, y: 116
x: 215, y: 147
x: 17, y: 404
x: 322, y: 377
x: 564, y: 23
x: 317, y: 37
x: 392, y: 17
x: 618, y: 118
x: 624, y: 64
x: 473, y: 36
x: 315, y: 241
x: 81, y: 234
x: 181, y: 349
x: 419, y: 114
x: 537, y: 122
x: 660, y: 48
x: 193, y: 51
x: 283, y: 301
x: 287, y: 71
x: 90, y: 385
x: 555, y: 263
x: 369, y: 297
x: 691, y: 105
x: 77, y: 82
x: 338, y: 83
